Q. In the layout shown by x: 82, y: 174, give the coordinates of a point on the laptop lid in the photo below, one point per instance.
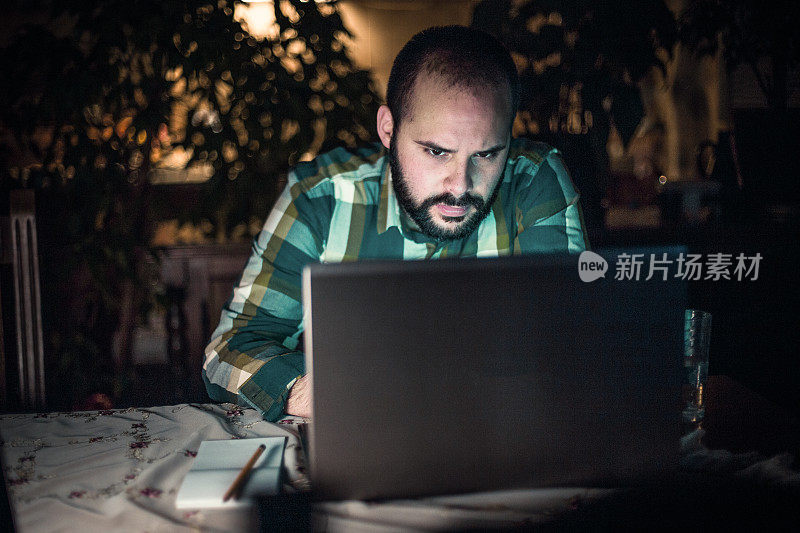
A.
x: 461, y: 375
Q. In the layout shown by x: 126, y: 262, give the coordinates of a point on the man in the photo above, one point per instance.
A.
x: 452, y: 183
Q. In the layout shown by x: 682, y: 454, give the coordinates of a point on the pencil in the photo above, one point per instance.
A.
x: 236, y: 486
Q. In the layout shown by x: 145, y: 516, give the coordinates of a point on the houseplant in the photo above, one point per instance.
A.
x: 97, y: 94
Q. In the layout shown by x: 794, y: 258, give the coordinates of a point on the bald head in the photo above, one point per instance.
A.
x: 458, y: 58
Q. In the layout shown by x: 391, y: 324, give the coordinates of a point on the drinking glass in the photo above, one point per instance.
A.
x: 696, y: 340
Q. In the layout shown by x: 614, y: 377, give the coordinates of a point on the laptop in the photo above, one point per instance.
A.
x: 462, y: 375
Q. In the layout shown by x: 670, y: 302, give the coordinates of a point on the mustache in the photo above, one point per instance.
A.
x: 464, y: 200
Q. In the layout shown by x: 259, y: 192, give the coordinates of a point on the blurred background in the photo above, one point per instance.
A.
x: 155, y: 135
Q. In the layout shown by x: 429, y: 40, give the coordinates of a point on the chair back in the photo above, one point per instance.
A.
x: 18, y: 242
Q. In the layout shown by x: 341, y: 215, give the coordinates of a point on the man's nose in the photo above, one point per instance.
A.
x: 459, y: 179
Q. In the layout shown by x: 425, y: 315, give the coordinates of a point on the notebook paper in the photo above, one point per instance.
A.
x: 217, y: 464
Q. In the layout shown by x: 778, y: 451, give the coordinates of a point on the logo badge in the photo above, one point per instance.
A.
x: 591, y: 266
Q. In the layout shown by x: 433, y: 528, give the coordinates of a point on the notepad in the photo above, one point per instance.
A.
x: 217, y: 464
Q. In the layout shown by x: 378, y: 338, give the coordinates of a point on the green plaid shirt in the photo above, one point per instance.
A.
x: 341, y: 207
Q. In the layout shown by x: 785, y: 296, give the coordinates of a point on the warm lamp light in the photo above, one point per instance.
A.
x: 259, y: 17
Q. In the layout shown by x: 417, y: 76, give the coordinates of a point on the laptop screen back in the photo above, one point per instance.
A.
x: 461, y: 375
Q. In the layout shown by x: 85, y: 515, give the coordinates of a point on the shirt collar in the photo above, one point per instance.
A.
x: 388, y: 210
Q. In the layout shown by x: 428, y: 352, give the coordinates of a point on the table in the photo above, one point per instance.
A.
x: 121, y: 469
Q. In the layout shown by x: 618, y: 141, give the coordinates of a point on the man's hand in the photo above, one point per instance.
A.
x: 299, y: 401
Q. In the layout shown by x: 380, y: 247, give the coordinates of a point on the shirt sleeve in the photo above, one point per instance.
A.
x: 548, y: 212
x: 252, y: 358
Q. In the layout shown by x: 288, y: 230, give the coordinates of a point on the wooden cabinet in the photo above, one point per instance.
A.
x: 200, y: 279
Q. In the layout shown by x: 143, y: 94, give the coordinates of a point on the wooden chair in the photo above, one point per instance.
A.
x: 21, y: 377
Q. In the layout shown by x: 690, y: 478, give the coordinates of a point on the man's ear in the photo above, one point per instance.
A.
x: 385, y: 125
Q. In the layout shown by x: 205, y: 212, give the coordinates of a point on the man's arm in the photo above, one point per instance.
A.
x: 251, y: 358
x: 299, y: 401
x: 549, y: 216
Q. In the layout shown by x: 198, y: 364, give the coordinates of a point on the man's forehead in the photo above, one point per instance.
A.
x: 428, y: 85
x: 436, y: 89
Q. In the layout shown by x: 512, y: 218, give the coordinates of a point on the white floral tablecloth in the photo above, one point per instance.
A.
x: 120, y: 470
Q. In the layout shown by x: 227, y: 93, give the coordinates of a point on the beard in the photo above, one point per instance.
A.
x: 420, y: 213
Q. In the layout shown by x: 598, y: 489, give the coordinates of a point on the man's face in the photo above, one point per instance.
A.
x: 448, y: 156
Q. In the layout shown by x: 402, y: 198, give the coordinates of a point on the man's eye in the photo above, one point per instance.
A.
x: 485, y: 155
x: 434, y: 152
